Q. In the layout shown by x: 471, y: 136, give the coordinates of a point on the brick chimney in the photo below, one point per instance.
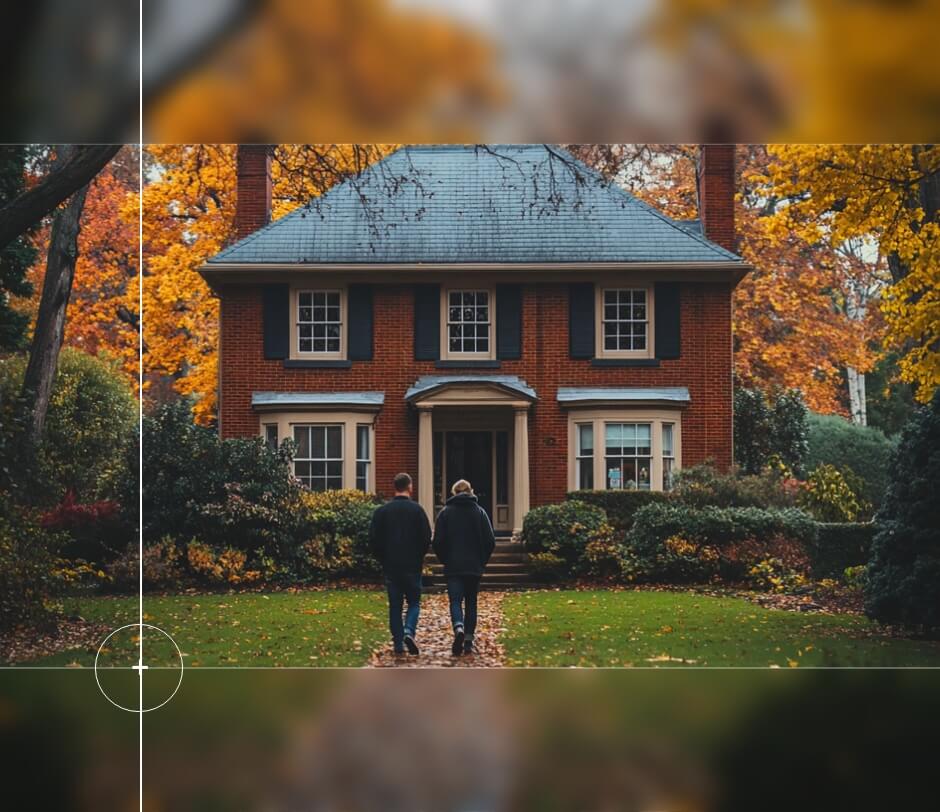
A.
x: 253, y: 204
x: 715, y: 181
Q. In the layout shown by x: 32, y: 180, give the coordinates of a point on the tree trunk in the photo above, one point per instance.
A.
x: 858, y: 407
x: 50, y: 322
x: 69, y: 173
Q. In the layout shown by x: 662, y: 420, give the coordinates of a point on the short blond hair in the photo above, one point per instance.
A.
x: 461, y: 486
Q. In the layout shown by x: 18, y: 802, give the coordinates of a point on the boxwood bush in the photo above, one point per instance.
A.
x: 620, y: 506
x: 557, y: 537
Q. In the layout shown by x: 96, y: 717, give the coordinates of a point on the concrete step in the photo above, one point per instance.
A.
x: 491, y: 568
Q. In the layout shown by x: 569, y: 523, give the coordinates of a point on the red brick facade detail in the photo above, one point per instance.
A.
x: 716, y: 193
x: 704, y: 368
x: 253, y: 205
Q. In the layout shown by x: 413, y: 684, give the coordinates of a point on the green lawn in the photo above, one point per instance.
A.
x: 328, y: 628
x: 645, y: 628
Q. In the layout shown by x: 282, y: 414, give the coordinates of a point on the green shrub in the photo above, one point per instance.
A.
x: 864, y: 451
x: 236, y: 493
x: 681, y: 543
x: 765, y: 432
x: 619, y: 505
x: 28, y: 563
x: 604, y: 554
x: 772, y: 575
x: 703, y: 485
x: 828, y: 495
x: 90, y: 422
x: 838, y: 546
x: 333, y: 534
x: 903, y: 583
x: 548, y: 567
x: 564, y: 530
x: 855, y: 577
x: 163, y: 563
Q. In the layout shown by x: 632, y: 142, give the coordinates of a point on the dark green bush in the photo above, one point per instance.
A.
x: 866, y: 452
x: 769, y: 431
x: 91, y: 421
x: 228, y: 493
x: 682, y: 543
x: 703, y: 485
x: 838, y: 546
x: 903, y: 577
x: 564, y: 531
x: 619, y: 505
x: 333, y: 535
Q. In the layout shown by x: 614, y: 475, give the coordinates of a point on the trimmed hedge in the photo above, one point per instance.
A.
x: 557, y: 537
x: 620, y: 506
x: 838, y: 545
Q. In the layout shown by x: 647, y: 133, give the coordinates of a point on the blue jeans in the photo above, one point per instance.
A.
x: 462, y: 590
x: 403, y: 588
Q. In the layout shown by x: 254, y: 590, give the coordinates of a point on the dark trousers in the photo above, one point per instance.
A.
x: 462, y: 590
x: 403, y: 588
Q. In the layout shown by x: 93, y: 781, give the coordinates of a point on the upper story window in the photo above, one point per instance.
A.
x: 319, y: 325
x: 468, y: 323
x: 624, y: 322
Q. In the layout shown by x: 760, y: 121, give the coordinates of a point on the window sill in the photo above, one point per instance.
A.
x: 449, y: 364
x: 296, y: 363
x: 625, y: 362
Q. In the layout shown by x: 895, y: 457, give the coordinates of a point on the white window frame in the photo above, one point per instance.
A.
x: 349, y: 420
x: 579, y: 455
x: 600, y: 417
x: 460, y: 355
x: 316, y: 425
x: 265, y: 427
x: 600, y: 349
x: 327, y: 355
x: 368, y: 460
x: 670, y: 457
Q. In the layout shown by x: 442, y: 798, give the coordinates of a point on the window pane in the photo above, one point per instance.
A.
x: 643, y: 439
x: 302, y: 439
x: 270, y: 434
x: 667, y: 439
x: 614, y: 473
x: 667, y: 474
x: 362, y: 476
x: 317, y: 444
x: 362, y: 442
x: 586, y: 439
x: 643, y: 473
x: 586, y: 474
x: 334, y: 441
x: 613, y: 434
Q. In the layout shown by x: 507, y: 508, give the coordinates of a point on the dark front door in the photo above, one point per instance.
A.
x: 470, y: 457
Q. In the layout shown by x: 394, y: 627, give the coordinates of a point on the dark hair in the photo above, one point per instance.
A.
x: 402, y: 481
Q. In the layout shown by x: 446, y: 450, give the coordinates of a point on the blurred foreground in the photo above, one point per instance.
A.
x: 344, y: 740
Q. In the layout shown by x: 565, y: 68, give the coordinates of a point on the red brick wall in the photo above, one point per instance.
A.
x: 253, y: 199
x: 716, y: 189
x: 705, y: 368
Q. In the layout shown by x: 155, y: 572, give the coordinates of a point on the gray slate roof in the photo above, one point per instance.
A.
x: 308, y: 399
x: 583, y: 394
x: 428, y: 382
x: 475, y: 204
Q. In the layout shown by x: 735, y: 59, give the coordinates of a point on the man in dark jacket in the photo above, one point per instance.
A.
x: 463, y: 541
x: 400, y: 536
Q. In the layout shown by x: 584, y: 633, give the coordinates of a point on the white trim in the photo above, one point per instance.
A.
x: 295, y: 352
x: 445, y: 352
x: 600, y: 351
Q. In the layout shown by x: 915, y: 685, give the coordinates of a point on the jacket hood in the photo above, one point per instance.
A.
x: 463, y: 499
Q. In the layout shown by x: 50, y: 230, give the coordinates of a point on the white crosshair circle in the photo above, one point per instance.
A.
x: 140, y: 667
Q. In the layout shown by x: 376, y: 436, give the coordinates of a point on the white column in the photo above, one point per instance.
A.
x: 426, y: 462
x: 520, y: 467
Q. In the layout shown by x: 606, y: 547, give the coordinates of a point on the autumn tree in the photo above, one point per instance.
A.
x: 888, y: 195
x: 189, y: 215
x: 17, y: 256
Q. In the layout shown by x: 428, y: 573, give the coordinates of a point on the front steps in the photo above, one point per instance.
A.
x: 507, y: 568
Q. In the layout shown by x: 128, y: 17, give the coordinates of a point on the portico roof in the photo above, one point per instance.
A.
x: 427, y: 384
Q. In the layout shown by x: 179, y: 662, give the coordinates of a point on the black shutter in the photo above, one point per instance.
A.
x: 508, y: 322
x: 668, y: 330
x: 581, y: 320
x: 276, y: 317
x: 359, y: 343
x: 427, y: 322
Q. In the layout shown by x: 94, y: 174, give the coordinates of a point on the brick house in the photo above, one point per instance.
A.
x: 500, y: 314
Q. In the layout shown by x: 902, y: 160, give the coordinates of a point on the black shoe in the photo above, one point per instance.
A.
x: 411, y: 645
x: 457, y: 648
x: 398, y: 652
x: 468, y: 647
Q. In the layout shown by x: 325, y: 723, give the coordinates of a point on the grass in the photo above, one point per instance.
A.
x: 647, y: 628
x: 320, y: 629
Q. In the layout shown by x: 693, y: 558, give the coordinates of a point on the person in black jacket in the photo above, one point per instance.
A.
x: 463, y: 541
x: 400, y: 535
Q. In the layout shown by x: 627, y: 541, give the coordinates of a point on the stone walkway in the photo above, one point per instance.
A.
x: 434, y: 637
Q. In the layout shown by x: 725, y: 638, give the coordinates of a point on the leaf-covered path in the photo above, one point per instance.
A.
x: 434, y: 637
